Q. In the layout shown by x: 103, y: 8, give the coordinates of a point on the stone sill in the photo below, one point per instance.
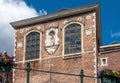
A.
x: 72, y: 56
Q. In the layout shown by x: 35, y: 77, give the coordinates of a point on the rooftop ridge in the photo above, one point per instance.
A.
x: 56, y: 15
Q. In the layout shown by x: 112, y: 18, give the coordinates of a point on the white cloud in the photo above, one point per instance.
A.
x: 42, y: 12
x: 115, y: 34
x: 12, y: 10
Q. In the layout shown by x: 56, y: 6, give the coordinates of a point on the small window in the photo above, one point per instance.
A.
x: 32, y: 45
x: 103, y: 61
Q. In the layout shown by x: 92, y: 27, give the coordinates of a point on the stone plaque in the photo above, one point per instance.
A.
x: 52, y: 40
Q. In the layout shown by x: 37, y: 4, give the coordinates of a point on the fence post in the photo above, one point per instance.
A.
x: 28, y: 69
x: 81, y: 76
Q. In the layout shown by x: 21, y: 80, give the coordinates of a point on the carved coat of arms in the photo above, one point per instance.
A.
x: 52, y: 40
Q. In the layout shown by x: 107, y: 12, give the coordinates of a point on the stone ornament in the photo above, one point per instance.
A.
x: 19, y: 44
x: 88, y: 17
x: 88, y: 32
x: 52, y: 40
x: 79, y: 19
x: 66, y: 21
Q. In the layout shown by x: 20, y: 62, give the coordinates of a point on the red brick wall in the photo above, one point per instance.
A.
x: 85, y: 60
x: 113, y: 58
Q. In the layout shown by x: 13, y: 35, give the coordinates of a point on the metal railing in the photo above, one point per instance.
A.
x: 28, y: 69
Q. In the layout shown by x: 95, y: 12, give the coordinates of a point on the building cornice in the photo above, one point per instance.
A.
x: 63, y: 14
x: 110, y: 48
x: 56, y: 15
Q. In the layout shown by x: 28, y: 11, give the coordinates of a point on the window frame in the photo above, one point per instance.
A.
x: 63, y: 31
x: 29, y: 60
x: 102, y: 63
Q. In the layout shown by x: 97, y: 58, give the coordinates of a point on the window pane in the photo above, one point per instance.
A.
x: 72, y: 39
x: 32, y: 45
x: 104, y: 61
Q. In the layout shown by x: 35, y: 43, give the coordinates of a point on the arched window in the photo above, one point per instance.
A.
x: 72, y: 38
x: 32, y: 45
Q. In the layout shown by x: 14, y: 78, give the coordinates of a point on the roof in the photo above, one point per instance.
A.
x: 110, y: 48
x: 61, y: 14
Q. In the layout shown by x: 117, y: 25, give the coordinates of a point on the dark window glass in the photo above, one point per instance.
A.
x: 72, y: 39
x: 104, y: 61
x: 32, y: 45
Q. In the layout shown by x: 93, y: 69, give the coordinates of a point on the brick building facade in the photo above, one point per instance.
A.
x: 66, y: 41
x: 109, y: 58
x: 111, y: 54
x: 53, y: 54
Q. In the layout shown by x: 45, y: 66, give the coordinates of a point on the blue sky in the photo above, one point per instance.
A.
x: 14, y: 10
x: 109, y: 14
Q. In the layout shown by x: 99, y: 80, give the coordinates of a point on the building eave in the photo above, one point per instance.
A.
x: 53, y: 16
x: 110, y: 48
x: 65, y: 13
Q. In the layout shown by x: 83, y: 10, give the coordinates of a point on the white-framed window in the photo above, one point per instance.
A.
x: 32, y: 45
x: 72, y: 38
x: 104, y: 61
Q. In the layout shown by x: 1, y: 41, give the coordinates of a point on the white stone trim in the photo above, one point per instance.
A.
x: 59, y: 56
x: 15, y: 42
x: 18, y: 62
x: 82, y: 50
x: 66, y: 21
x: 88, y: 17
x: 79, y: 18
x: 95, y: 48
x: 112, y: 45
x: 19, y: 44
x: 88, y: 32
x: 13, y: 74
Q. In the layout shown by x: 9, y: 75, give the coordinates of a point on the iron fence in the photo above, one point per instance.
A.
x: 28, y: 69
